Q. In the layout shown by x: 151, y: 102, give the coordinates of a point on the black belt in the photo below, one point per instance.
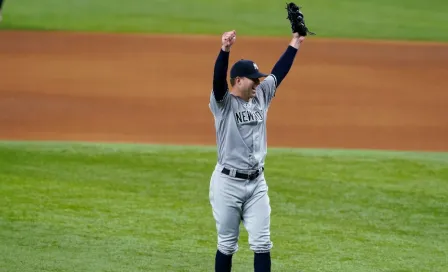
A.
x: 240, y: 175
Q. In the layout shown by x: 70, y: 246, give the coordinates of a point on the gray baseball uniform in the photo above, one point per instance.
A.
x: 242, y: 147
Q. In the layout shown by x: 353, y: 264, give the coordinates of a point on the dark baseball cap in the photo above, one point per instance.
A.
x: 246, y: 68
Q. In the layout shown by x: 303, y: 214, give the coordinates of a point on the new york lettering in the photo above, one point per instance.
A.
x: 248, y: 116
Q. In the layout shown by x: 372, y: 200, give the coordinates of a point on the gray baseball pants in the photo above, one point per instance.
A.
x: 236, y: 200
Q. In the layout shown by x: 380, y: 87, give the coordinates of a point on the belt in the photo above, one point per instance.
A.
x: 240, y: 175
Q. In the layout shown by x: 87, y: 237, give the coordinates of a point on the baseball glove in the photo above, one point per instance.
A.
x: 295, y: 17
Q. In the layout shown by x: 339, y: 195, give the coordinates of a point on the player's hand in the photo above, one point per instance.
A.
x: 228, y: 39
x: 298, y: 37
x: 296, y: 40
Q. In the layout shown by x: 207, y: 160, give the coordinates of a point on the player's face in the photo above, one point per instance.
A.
x: 249, y: 86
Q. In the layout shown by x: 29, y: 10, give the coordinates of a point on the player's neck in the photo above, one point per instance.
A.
x: 240, y: 94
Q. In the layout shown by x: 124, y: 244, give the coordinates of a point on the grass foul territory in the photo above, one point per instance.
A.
x: 384, y: 19
x: 91, y: 207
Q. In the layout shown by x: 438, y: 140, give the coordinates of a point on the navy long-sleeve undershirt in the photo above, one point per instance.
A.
x: 280, y: 70
x: 284, y: 64
x: 220, y: 86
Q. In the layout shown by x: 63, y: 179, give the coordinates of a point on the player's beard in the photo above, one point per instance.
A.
x: 252, y: 90
x: 250, y: 93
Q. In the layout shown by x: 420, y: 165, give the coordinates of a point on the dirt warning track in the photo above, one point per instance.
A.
x: 143, y: 88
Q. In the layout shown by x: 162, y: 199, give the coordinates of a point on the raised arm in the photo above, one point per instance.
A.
x: 283, y: 65
x: 299, y: 31
x: 220, y: 86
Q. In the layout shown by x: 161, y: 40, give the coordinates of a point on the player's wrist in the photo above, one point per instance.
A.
x: 295, y: 42
x: 225, y: 48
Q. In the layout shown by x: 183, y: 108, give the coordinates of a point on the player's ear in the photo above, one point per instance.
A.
x: 236, y: 81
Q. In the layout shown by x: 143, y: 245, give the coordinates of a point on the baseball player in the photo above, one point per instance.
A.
x: 238, y: 191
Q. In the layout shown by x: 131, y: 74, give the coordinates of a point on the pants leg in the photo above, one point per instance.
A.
x: 226, y: 197
x: 257, y: 215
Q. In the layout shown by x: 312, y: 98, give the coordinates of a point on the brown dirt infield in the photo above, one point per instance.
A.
x: 143, y: 88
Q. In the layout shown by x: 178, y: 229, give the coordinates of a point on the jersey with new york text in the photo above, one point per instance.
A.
x: 241, y: 136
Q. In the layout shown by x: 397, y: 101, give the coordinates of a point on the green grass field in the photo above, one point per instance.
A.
x: 92, y: 207
x: 98, y: 207
x: 384, y: 19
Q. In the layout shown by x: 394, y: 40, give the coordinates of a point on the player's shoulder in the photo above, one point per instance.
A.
x: 270, y: 78
x: 267, y: 82
x: 220, y: 106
